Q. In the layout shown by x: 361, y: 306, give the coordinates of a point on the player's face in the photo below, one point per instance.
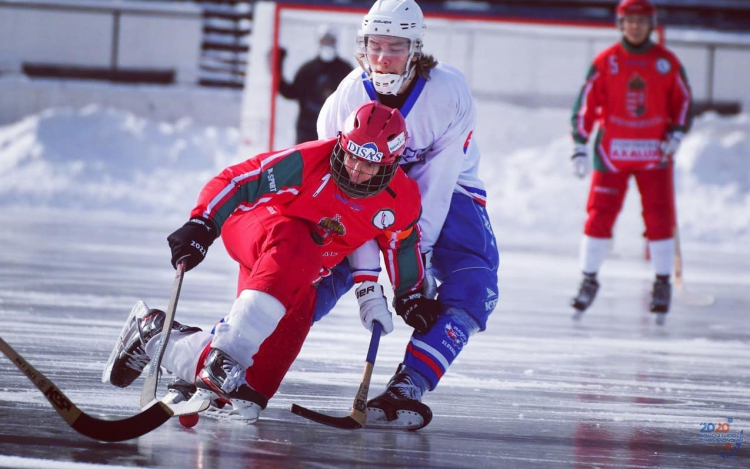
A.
x: 387, y: 54
x: 636, y: 28
x: 360, y: 171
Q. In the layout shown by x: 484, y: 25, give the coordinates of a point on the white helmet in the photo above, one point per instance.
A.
x: 398, y: 18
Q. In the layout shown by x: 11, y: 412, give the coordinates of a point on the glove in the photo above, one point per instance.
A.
x: 372, y: 306
x: 580, y: 160
x: 418, y: 311
x: 192, y: 240
x: 670, y: 145
x: 430, y: 286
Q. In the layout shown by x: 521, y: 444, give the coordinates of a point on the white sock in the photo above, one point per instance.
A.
x: 254, y: 317
x: 182, y: 352
x: 662, y: 255
x: 592, y: 253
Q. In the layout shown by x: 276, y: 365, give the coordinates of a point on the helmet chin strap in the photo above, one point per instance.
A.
x: 386, y: 83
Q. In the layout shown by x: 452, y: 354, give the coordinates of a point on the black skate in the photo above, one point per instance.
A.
x: 128, y: 358
x: 661, y: 295
x: 586, y: 293
x: 399, y: 407
x: 222, y: 378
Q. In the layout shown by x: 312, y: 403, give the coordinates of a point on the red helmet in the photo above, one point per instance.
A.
x: 373, y: 134
x: 636, y: 7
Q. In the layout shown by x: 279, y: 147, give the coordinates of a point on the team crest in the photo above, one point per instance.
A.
x: 635, y: 98
x: 369, y: 151
x: 383, y: 219
x: 327, y: 227
x: 663, y: 66
x: 456, y: 336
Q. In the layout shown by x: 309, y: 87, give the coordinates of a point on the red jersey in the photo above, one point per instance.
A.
x: 297, y: 183
x: 637, y: 96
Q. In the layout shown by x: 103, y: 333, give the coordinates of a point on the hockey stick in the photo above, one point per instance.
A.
x: 358, y: 416
x: 92, y: 427
x: 683, y: 295
x: 148, y: 395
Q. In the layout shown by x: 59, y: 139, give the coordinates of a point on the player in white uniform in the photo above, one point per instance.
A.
x: 457, y: 239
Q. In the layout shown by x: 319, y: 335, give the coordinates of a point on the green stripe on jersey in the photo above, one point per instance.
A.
x: 286, y: 172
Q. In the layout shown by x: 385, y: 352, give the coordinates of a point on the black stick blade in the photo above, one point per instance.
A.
x: 125, y: 429
x: 344, y: 423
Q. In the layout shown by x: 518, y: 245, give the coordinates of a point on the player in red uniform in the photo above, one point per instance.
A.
x: 287, y: 217
x: 638, y: 93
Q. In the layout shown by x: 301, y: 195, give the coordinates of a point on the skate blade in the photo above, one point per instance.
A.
x: 140, y: 309
x: 193, y: 406
x: 405, y: 420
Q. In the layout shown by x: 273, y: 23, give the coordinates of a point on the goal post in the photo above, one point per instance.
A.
x: 523, y: 61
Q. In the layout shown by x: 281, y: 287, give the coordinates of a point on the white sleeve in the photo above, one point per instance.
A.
x: 365, y: 262
x: 438, y: 176
x: 339, y: 105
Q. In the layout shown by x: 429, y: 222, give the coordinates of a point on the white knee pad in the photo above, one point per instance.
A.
x: 254, y: 317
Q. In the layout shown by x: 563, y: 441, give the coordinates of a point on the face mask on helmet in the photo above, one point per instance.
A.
x: 366, y: 156
x: 394, y: 19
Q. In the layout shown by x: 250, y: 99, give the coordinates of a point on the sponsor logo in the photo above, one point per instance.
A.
x: 369, y: 151
x: 351, y: 204
x: 365, y: 291
x: 635, y: 97
x: 722, y: 435
x: 383, y: 219
x: 397, y: 142
x: 57, y: 399
x: 271, y: 180
x: 490, y: 304
x: 663, y: 66
x: 490, y: 293
x: 382, y: 21
x: 411, y: 155
x: 634, y: 150
x: 456, y: 336
x: 198, y: 221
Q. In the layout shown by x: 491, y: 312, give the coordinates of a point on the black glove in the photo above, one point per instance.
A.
x: 418, y: 311
x: 192, y: 240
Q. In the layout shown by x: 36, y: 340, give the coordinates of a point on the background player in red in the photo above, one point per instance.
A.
x: 638, y: 93
x: 286, y: 217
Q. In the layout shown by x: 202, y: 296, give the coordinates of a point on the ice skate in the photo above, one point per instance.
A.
x: 586, y: 293
x: 399, y: 407
x: 128, y: 358
x: 222, y: 378
x: 661, y: 295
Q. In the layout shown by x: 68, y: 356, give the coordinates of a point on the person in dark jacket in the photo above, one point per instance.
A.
x: 313, y: 83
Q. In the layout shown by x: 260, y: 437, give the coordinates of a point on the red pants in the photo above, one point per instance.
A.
x: 607, y: 194
x: 278, y: 256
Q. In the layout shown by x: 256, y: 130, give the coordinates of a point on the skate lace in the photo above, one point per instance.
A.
x: 138, y: 359
x: 235, y: 376
x: 405, y: 389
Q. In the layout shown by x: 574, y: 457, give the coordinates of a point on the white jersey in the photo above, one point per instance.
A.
x: 440, y: 153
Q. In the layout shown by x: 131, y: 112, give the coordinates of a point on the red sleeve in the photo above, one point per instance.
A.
x: 269, y: 178
x: 590, y: 98
x: 680, y: 101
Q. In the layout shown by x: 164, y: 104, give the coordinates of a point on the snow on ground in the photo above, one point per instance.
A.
x: 107, y: 159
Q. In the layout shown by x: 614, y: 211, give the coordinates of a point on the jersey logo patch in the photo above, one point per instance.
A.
x: 663, y: 66
x: 326, y: 228
x: 383, y: 219
x: 635, y: 98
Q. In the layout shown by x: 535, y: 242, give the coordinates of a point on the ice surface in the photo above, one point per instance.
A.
x: 88, y: 196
